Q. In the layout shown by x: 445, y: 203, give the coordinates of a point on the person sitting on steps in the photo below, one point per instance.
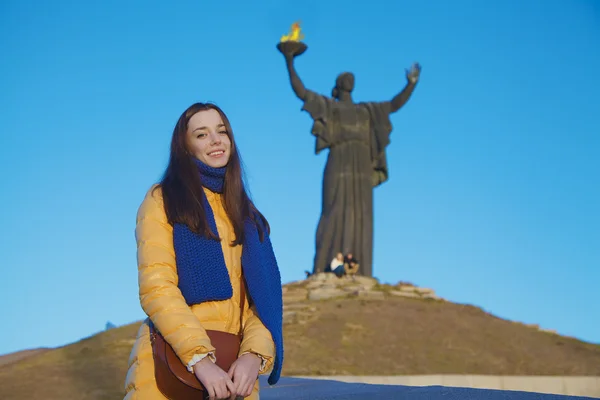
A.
x: 337, y: 265
x: 351, y: 265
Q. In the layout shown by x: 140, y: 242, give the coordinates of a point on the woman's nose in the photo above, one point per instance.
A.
x: 215, y: 138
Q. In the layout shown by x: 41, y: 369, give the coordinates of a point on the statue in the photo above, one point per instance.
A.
x: 356, y: 135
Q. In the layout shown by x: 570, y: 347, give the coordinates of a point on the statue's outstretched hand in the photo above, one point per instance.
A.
x: 413, y: 74
x: 291, y: 50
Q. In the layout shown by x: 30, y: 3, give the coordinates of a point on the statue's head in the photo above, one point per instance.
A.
x: 343, y: 83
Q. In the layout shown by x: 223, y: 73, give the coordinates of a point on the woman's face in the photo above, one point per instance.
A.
x: 207, y: 139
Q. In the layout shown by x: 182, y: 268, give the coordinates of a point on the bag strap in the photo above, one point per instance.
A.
x: 242, y: 302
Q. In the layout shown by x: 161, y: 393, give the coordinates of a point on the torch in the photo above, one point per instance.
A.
x: 291, y: 44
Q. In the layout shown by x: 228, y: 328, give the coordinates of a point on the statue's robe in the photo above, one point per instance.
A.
x: 356, y: 135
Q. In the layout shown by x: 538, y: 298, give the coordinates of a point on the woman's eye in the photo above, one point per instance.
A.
x: 201, y: 135
x: 223, y: 132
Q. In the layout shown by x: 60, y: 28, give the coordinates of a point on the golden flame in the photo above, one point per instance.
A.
x: 295, y: 34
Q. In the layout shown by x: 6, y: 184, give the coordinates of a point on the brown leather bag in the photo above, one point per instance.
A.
x: 173, y: 378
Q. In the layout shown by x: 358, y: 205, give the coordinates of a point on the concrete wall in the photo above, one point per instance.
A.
x: 566, y: 385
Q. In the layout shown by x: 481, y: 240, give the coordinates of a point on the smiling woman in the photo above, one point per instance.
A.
x: 208, y: 277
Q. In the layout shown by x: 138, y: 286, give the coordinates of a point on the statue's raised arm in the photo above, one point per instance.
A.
x: 412, y: 77
x: 290, y: 50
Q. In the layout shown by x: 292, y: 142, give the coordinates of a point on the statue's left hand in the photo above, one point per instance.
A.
x: 413, y: 74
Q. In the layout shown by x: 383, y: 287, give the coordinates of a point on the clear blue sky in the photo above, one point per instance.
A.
x: 493, y: 197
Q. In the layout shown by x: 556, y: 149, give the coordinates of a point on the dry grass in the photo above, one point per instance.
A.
x: 406, y: 336
x: 20, y: 355
x: 91, y: 369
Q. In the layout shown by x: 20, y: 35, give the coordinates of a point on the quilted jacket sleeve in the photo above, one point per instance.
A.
x: 258, y: 340
x: 160, y: 297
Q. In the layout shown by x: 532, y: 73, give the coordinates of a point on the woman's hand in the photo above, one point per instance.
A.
x: 216, y: 382
x: 244, y: 373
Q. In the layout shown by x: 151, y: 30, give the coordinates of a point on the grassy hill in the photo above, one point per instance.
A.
x: 370, y: 330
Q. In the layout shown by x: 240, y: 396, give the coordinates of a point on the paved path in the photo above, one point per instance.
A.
x: 313, y: 389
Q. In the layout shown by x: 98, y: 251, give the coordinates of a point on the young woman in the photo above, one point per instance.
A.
x: 199, y: 237
x: 337, y: 265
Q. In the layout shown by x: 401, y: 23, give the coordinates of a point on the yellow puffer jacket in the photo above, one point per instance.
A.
x: 184, y: 327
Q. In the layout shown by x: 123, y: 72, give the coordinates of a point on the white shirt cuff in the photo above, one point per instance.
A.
x: 263, y: 363
x: 199, y: 357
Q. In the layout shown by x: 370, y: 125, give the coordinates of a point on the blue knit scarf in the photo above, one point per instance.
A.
x: 203, y: 275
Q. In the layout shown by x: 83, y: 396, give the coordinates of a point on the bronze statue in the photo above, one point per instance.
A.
x: 356, y: 135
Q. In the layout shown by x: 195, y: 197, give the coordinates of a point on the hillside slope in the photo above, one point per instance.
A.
x: 356, y: 328
x: 20, y: 355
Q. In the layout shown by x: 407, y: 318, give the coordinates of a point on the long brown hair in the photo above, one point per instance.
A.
x: 183, y: 193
